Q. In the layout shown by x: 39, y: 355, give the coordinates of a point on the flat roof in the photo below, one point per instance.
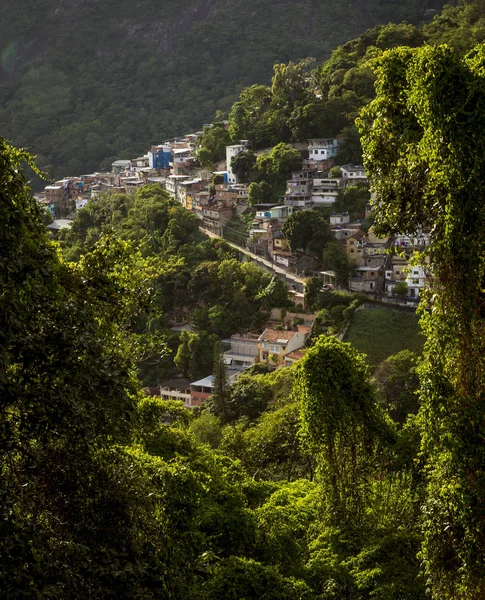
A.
x: 206, y: 382
x: 60, y: 224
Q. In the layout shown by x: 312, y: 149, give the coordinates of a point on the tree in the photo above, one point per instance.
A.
x: 249, y: 398
x: 212, y: 144
x: 242, y: 166
x: 277, y: 166
x: 260, y: 193
x: 195, y: 354
x: 335, y: 172
x: 248, y: 117
x: 313, y: 287
x: 220, y: 399
x: 397, y: 383
x: 400, y: 290
x: 424, y: 145
x: 275, y: 295
x: 68, y: 393
x: 335, y: 258
x: 307, y: 230
x: 354, y: 200
x: 341, y: 419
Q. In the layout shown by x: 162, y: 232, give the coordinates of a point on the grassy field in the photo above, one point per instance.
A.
x: 379, y: 333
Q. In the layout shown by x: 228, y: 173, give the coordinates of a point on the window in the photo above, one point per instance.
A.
x: 371, y: 286
x: 274, y: 348
x: 265, y: 345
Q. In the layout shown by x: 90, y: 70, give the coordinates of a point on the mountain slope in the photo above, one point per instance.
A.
x: 86, y: 81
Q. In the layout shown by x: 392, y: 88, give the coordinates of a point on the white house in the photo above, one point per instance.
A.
x: 81, y: 203
x: 353, y: 174
x: 339, y: 218
x: 243, y: 352
x: 231, y: 152
x: 322, y: 149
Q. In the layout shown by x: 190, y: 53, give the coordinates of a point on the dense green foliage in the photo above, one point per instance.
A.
x: 191, y: 276
x: 84, y: 83
x: 424, y: 146
x: 315, y: 482
x: 300, y: 486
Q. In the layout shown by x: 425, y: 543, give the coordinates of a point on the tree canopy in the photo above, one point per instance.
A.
x: 423, y: 148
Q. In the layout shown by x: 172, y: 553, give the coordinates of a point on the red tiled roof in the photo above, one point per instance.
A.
x: 274, y: 335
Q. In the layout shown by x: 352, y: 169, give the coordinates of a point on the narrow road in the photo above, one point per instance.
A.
x: 298, y: 281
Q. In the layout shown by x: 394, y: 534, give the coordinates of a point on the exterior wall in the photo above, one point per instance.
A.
x: 232, y: 151
x: 355, y: 250
x: 280, y: 243
x: 339, y: 219
x: 197, y: 396
x: 160, y: 157
x: 280, y: 349
x: 172, y: 394
x: 81, y: 203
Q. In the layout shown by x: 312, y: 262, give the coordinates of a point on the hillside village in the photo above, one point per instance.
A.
x: 380, y: 267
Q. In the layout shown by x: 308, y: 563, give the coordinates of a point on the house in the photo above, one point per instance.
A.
x: 81, y: 203
x: 121, y: 166
x: 306, y: 174
x: 160, y: 157
x: 176, y: 389
x: 279, y: 240
x: 131, y: 184
x: 342, y: 233
x: 322, y: 149
x: 298, y: 193
x: 283, y: 257
x: 215, y: 216
x: 172, y: 184
x: 293, y: 357
x: 58, y: 224
x: 354, y: 247
x: 353, y: 174
x: 368, y: 279
x: 200, y: 390
x: 401, y: 271
x: 325, y: 190
x: 186, y: 190
x: 274, y: 344
x: 339, y: 218
x: 244, y: 350
x: 279, y: 212
x: 231, y: 152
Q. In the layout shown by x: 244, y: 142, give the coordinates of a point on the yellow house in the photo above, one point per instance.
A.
x: 354, y: 247
x: 279, y: 240
x: 274, y: 344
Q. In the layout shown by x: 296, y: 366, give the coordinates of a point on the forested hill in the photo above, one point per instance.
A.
x: 83, y: 82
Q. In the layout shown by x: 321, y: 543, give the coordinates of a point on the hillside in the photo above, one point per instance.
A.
x: 82, y: 82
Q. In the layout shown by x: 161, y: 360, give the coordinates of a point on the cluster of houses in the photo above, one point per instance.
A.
x: 279, y: 348
x: 383, y: 266
x: 173, y: 165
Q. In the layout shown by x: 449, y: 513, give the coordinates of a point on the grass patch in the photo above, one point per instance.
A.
x: 380, y: 333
